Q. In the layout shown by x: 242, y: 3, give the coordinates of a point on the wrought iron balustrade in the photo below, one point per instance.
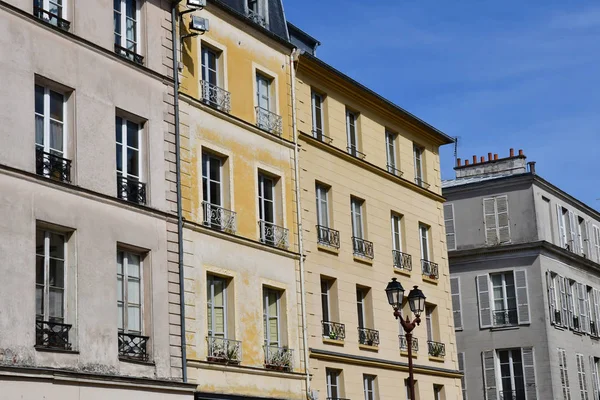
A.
x: 52, y: 335
x: 429, y: 269
x: 273, y: 235
x: 257, y: 18
x: 269, y: 121
x: 216, y: 97
x: 319, y: 135
x: 518, y: 394
x: 131, y: 189
x: 362, y: 247
x: 133, y: 347
x: 224, y: 350
x: 402, y: 260
x: 353, y: 150
x: 404, y: 343
x: 369, y: 337
x: 422, y: 183
x: 505, y: 317
x: 393, y: 170
x: 52, y: 166
x: 219, y: 218
x: 279, y: 358
x: 131, y: 55
x: 51, y: 18
x: 328, y: 237
x: 333, y: 330
x: 436, y: 349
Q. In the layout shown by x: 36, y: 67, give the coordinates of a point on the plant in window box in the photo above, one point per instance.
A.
x: 557, y: 317
x: 232, y: 355
x: 432, y: 276
x: 333, y: 335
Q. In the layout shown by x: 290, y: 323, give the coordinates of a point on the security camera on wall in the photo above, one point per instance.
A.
x: 198, y: 24
x: 196, y: 3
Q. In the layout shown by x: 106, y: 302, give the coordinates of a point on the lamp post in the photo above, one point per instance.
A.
x: 416, y: 302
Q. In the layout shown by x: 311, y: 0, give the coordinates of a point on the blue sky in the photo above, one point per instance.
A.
x: 496, y: 74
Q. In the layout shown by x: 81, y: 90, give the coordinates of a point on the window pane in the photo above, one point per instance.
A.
x: 120, y: 288
x: 120, y: 316
x: 119, y: 129
x: 209, y: 317
x: 133, y: 162
x: 133, y: 135
x: 215, y: 169
x: 133, y: 291
x: 133, y: 265
x: 56, y: 273
x: 117, y: 24
x: 56, y: 136
x: 56, y: 106
x: 119, y: 262
x: 55, y: 303
x: 39, y: 99
x: 57, y: 246
x: 119, y: 157
x: 219, y: 298
x: 130, y: 7
x: 39, y: 130
x: 39, y: 269
x: 133, y: 318
x: 269, y: 215
x: 39, y: 300
x: 215, y: 193
x: 273, y: 334
x: 219, y: 320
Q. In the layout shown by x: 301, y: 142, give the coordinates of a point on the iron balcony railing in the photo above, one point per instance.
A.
x: 131, y: 189
x: 575, y: 323
x: 273, y: 235
x: 436, y: 349
x: 404, y: 343
x: 333, y: 330
x: 52, y: 166
x: 362, y: 247
x: 369, y: 337
x: 393, y: 170
x: 319, y: 135
x: 505, y: 317
x: 216, y: 97
x: 328, y: 237
x: 422, y: 183
x: 133, y: 347
x: 52, y: 335
x: 131, y: 55
x: 224, y: 350
x: 353, y: 150
x: 402, y: 260
x: 51, y: 18
x: 279, y: 358
x: 269, y: 121
x: 257, y: 18
x: 518, y: 394
x: 558, y: 318
x: 429, y: 269
x: 219, y: 218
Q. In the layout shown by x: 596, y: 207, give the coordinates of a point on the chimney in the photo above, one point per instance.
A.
x: 474, y: 159
x: 466, y: 162
x: 495, y: 166
x: 531, y: 165
x: 482, y: 159
x: 489, y: 156
x: 495, y: 156
x: 521, y: 152
x: 458, y: 161
x: 512, y: 152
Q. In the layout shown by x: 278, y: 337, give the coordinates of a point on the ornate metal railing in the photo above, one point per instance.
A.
x: 518, y: 394
x: 51, y: 18
x: 279, y: 358
x: 354, y: 151
x: 404, y: 343
x: 327, y: 236
x: 269, y: 121
x: 216, y: 97
x: 220, y: 218
x: 362, y: 247
x: 393, y: 170
x: 52, y: 335
x: 402, y: 260
x: 429, y: 269
x: 257, y: 18
x: 369, y: 337
x: 318, y: 134
x: 273, y: 235
x: 129, y: 54
x: 334, y: 330
x: 422, y: 183
x: 133, y: 347
x: 436, y: 349
x: 131, y: 190
x: 505, y: 317
x: 52, y: 166
x: 224, y: 350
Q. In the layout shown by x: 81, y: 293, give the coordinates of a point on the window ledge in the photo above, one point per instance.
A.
x: 328, y: 249
x: 368, y: 261
x: 367, y: 347
x: 404, y: 353
x: 132, y: 361
x: 504, y: 328
x: 430, y: 280
x: 437, y: 359
x: 402, y: 272
x: 333, y: 341
x: 51, y: 350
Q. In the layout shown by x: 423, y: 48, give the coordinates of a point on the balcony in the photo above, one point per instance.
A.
x: 422, y: 183
x: 368, y: 337
x: 133, y: 347
x: 51, y: 18
x: 328, y: 237
x: 593, y: 329
x: 404, y: 343
x: 255, y: 17
x: 429, y: 269
x: 353, y: 150
x: 512, y: 394
x: 216, y: 97
x: 269, y: 121
x: 52, y: 335
x: 279, y: 358
x: 506, y: 317
x: 273, y: 235
x: 131, y: 189
x: 393, y: 170
x: 575, y: 325
x: 402, y: 260
x: 436, y: 349
x: 129, y: 54
x: 219, y: 218
x: 362, y: 247
x: 223, y: 350
x: 52, y: 166
x: 558, y: 318
x: 319, y: 135
x: 334, y: 330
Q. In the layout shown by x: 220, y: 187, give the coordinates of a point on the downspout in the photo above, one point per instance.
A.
x: 178, y: 177
x: 294, y: 54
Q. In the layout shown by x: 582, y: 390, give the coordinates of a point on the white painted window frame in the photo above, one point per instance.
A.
x: 322, y: 197
x: 266, y: 291
x: 360, y: 302
x: 210, y: 287
x: 390, y: 151
x: 396, y: 221
x: 498, y: 368
x: 46, y: 284
x: 356, y: 209
x: 351, y: 130
x: 314, y: 97
x: 124, y: 173
x: 424, y: 241
x: 47, y: 119
x: 333, y: 381
x: 125, y: 301
x: 138, y: 21
x: 206, y: 174
x: 369, y: 386
x: 262, y: 198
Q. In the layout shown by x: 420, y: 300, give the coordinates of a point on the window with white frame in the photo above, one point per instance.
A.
x: 429, y: 322
x: 424, y: 240
x: 555, y: 298
x: 504, y: 299
x: 52, y: 11
x: 510, y: 368
x: 396, y: 232
x: 322, y: 193
x: 360, y: 306
x: 325, y: 299
x: 352, y: 132
x: 216, y: 306
x: 271, y: 316
x: 595, y: 368
x: 266, y: 207
x: 50, y: 121
x: 438, y: 392
x: 127, y: 28
x: 496, y: 221
x: 50, y: 276
x: 263, y: 92
x: 356, y: 208
x: 583, y: 237
x: 462, y: 370
x: 418, y: 161
x: 564, y: 374
x: 257, y: 11
x: 562, y: 218
x: 317, y: 115
x: 333, y: 384
x: 583, y: 390
x: 129, y: 160
x: 596, y: 238
x: 129, y: 294
x: 390, y: 150
x: 369, y: 386
x: 210, y: 71
x: 212, y: 179
x: 573, y: 305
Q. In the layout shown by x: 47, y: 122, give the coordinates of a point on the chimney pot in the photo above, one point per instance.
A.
x: 489, y: 156
x: 512, y: 152
x: 466, y: 162
x: 482, y: 159
x: 495, y: 156
x: 531, y: 167
x: 458, y: 161
x: 474, y: 159
x: 520, y: 152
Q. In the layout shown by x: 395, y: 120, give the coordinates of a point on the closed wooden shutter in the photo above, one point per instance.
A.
x: 551, y: 296
x: 449, y: 223
x: 483, y: 295
x: 587, y: 246
x: 564, y: 312
x: 463, y: 379
x: 570, y: 310
x: 596, y: 305
x: 564, y: 375
x: 503, y: 221
x: 573, y: 246
x: 562, y: 230
x: 522, y: 296
x: 529, y: 372
x: 597, y: 243
x: 583, y: 311
x: 594, y: 377
x: 583, y: 391
x: 456, y: 306
x: 489, y: 375
x: 489, y: 219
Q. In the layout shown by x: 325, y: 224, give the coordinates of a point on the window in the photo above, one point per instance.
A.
x: 271, y: 316
x: 504, y: 299
x: 449, y: 224
x: 496, y: 222
x: 583, y: 237
x: 352, y: 133
x: 407, y: 387
x: 564, y: 374
x: 508, y: 372
x: 462, y: 370
x: 266, y: 117
x: 356, y: 208
x: 129, y: 294
x: 573, y: 305
x: 390, y: 147
x: 508, y: 302
x: 595, y: 367
x: 418, y: 159
x: 127, y: 30
x: 52, y: 11
x: 212, y: 175
x: 263, y: 92
x: 512, y: 382
x: 597, y: 243
x: 209, y: 66
x: 396, y: 232
x: 333, y: 384
x: 424, y: 236
x: 257, y: 11
x: 360, y: 306
x: 429, y: 322
x: 129, y: 161
x: 583, y: 391
x: 325, y: 299
x: 456, y: 303
x: 556, y: 293
x: 322, y: 205
x: 50, y: 276
x: 216, y: 304
x: 562, y: 215
x: 438, y: 392
x: 266, y: 207
x: 317, y: 116
x: 369, y: 386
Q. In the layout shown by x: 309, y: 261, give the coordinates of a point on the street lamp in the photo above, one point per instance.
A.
x: 416, y: 302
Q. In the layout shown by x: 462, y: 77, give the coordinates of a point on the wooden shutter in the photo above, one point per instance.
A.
x: 564, y: 311
x: 489, y: 375
x: 551, y: 296
x: 597, y: 242
x: 449, y: 223
x: 583, y: 312
x: 564, y: 375
x: 587, y: 246
x: 483, y: 295
x: 463, y: 378
x: 529, y: 372
x: 503, y: 221
x: 489, y: 219
x: 456, y: 306
x: 596, y: 305
x: 522, y: 296
x: 562, y: 230
x: 594, y: 376
x: 583, y: 391
x: 573, y: 246
x: 570, y: 310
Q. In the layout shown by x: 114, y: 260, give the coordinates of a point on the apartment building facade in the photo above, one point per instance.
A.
x: 371, y: 210
x: 87, y: 229
x: 525, y: 273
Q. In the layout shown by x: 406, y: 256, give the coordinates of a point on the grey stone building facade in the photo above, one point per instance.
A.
x: 525, y: 274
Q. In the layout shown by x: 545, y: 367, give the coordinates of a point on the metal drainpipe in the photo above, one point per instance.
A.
x: 178, y: 173
x: 299, y: 214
